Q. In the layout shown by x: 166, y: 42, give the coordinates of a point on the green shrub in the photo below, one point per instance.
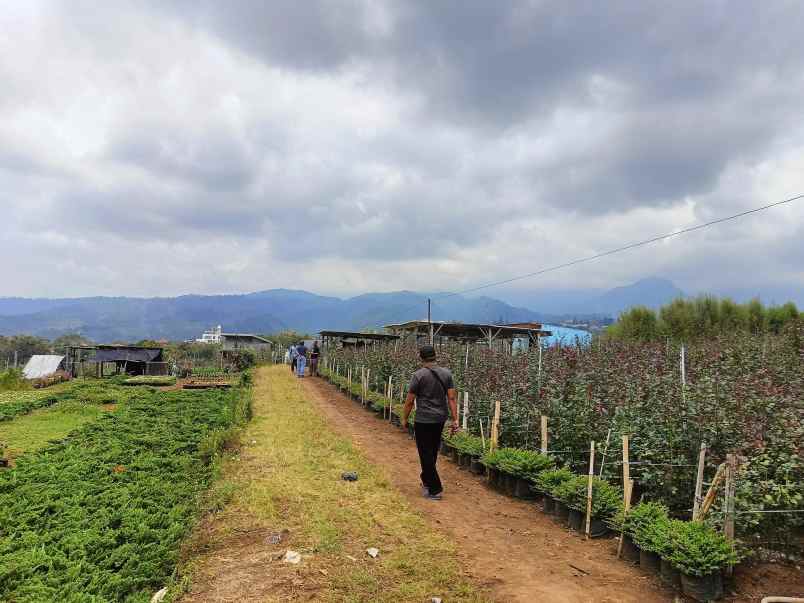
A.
x: 548, y: 481
x: 606, y: 499
x: 526, y: 464
x: 465, y: 443
x: 639, y: 518
x: 696, y: 549
x: 152, y: 381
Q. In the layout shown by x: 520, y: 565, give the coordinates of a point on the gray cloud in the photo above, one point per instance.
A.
x: 354, y: 143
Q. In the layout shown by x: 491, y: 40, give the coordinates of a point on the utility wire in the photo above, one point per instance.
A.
x: 625, y: 247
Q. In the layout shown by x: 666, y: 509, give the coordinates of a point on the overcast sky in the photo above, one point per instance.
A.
x: 157, y: 148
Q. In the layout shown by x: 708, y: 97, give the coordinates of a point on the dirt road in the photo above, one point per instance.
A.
x: 508, y: 546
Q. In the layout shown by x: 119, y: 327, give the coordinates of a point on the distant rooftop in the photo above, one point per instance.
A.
x: 471, y: 331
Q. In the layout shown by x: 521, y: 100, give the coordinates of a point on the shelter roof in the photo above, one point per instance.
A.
x: 354, y: 335
x: 471, y: 331
x: 246, y: 336
x: 42, y: 365
x: 127, y: 354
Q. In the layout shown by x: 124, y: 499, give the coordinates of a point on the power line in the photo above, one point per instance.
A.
x: 624, y: 247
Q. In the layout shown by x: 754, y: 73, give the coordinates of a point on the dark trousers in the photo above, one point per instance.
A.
x: 428, y: 442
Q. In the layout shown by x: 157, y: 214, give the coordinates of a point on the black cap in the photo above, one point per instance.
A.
x: 427, y: 353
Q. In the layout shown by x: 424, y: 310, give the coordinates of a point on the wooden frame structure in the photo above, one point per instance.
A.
x: 353, y: 339
x: 469, y: 332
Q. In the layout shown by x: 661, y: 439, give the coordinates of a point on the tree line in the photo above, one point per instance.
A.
x: 702, y: 317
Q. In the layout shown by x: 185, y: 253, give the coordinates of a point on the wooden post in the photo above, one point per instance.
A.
x: 495, y: 427
x: 728, y: 503
x: 696, y: 501
x: 390, y: 397
x: 628, y: 489
x: 544, y: 434
x: 626, y: 465
x: 589, y: 489
x: 465, y: 410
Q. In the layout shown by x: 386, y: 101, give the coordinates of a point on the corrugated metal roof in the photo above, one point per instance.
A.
x: 41, y: 366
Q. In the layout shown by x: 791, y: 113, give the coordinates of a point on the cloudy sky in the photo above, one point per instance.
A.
x: 163, y: 147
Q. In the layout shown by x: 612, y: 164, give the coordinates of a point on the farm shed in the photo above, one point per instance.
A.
x: 42, y: 365
x: 115, y: 359
x: 350, y: 339
x: 469, y: 333
x: 231, y: 342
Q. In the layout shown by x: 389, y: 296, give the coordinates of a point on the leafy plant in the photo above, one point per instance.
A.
x: 696, y: 549
x: 606, y: 499
x: 521, y: 463
x: 547, y: 481
x: 465, y: 443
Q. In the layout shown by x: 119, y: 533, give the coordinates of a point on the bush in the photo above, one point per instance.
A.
x: 548, y: 481
x: 13, y: 380
x: 465, y: 443
x: 696, y: 549
x: 606, y: 499
x: 639, y: 518
x: 521, y: 463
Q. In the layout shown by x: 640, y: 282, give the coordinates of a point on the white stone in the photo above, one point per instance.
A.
x: 373, y: 553
x: 292, y: 557
x: 159, y: 596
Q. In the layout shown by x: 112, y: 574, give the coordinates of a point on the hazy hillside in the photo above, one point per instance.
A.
x: 126, y: 319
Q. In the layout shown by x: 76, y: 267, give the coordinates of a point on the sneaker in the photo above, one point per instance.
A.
x: 438, y: 496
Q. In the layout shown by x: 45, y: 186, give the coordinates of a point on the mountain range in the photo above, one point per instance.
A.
x: 107, y: 319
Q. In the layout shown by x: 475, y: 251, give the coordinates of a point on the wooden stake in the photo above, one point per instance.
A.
x: 544, y: 434
x: 589, y: 489
x: 626, y: 465
x: 495, y: 427
x: 728, y: 503
x: 710, y: 494
x: 628, y: 489
x: 605, y: 451
x: 482, y: 436
x: 696, y: 500
x: 465, y: 423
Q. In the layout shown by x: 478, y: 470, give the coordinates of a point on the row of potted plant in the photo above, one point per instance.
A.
x: 689, y: 556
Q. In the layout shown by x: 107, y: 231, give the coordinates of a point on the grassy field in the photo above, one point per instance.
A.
x: 30, y: 432
x: 288, y: 477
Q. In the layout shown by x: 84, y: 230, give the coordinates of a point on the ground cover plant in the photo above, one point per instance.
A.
x: 98, y: 516
x: 742, y: 394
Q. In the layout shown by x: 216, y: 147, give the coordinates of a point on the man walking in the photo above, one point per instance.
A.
x: 433, y: 390
x: 301, y: 358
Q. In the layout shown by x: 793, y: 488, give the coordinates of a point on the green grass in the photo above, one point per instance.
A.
x: 289, y: 475
x: 30, y: 432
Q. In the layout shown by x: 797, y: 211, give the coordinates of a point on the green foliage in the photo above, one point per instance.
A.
x: 640, y: 522
x: 606, y: 499
x: 243, y: 359
x: 696, y: 549
x: 704, y: 317
x: 149, y: 380
x: 13, y: 380
x: 15, y: 403
x: 521, y: 463
x: 100, y: 515
x: 465, y: 443
x: 547, y: 481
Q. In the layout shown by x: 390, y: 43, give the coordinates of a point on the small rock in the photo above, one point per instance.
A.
x: 159, y: 596
x: 292, y: 557
x: 349, y: 476
x: 373, y: 553
x: 435, y: 600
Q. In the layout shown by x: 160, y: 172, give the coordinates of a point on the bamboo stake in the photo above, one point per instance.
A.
x: 626, y: 465
x: 495, y: 427
x: 628, y: 489
x: 605, y: 451
x: 482, y: 435
x: 544, y: 434
x: 696, y: 501
x: 589, y: 489
x: 728, y: 503
x: 710, y: 494
x: 465, y: 423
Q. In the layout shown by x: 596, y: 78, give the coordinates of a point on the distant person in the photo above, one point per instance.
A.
x: 293, y: 355
x: 301, y: 358
x: 314, y: 354
x: 433, y: 391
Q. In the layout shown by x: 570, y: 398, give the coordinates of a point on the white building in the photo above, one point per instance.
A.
x: 211, y: 336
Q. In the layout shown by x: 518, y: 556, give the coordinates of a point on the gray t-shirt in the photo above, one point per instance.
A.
x: 431, y: 397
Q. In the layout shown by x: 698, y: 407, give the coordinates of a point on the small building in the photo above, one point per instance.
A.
x: 43, y: 365
x: 232, y: 342
x: 351, y: 339
x: 102, y: 360
x: 211, y: 336
x: 490, y: 335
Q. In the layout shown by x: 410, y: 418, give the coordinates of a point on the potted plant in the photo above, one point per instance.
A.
x: 700, y: 554
x: 547, y: 481
x: 636, y: 524
x: 606, y: 502
x: 517, y: 469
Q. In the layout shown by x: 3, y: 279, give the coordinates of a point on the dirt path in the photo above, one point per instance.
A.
x: 508, y: 545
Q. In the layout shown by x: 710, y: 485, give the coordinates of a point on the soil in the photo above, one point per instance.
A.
x: 508, y: 546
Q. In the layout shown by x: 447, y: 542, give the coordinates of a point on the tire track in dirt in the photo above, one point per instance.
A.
x: 507, y: 546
